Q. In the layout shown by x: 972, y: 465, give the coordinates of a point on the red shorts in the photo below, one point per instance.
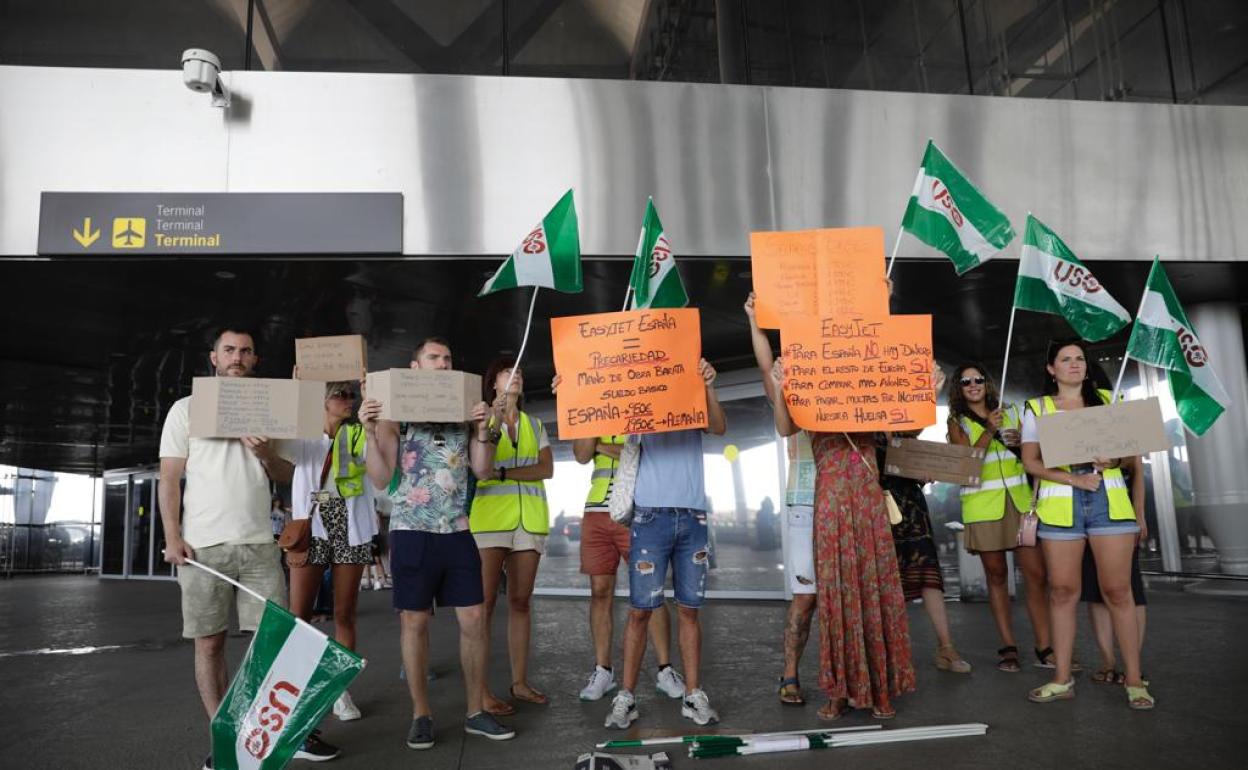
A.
x: 603, y: 544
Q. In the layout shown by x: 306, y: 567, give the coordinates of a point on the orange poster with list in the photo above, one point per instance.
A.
x: 835, y: 271
x: 859, y: 374
x: 628, y: 373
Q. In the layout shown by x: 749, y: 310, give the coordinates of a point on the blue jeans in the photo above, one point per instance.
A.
x: 1090, y: 518
x: 663, y: 536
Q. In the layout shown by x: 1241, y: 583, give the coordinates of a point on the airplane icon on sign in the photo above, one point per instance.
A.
x: 129, y: 232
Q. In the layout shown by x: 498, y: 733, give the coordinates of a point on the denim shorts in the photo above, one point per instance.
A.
x: 1091, y: 519
x: 663, y: 536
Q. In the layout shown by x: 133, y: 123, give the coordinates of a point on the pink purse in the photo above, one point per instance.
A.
x: 1029, y: 523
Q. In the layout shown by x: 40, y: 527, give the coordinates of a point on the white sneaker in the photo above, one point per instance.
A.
x: 670, y: 683
x: 697, y: 707
x: 601, y: 682
x: 376, y: 584
x: 345, y: 708
x: 623, y: 711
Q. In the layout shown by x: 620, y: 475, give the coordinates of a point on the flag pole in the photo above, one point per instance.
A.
x: 896, y: 245
x: 523, y: 342
x: 254, y: 594
x: 1126, y: 354
x: 1005, y: 366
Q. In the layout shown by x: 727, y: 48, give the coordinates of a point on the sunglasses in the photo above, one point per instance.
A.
x: 345, y: 394
x: 972, y: 381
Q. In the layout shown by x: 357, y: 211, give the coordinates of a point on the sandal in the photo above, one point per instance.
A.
x: 1046, y: 658
x: 1139, y: 699
x: 833, y: 710
x: 1009, y: 660
x: 505, y: 710
x: 537, y: 697
x: 882, y: 714
x: 1052, y: 691
x: 1109, y: 675
x: 948, y: 659
x: 791, y: 692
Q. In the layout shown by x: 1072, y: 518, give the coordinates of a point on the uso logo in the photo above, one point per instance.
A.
x: 662, y: 252
x: 1193, y: 351
x: 272, y: 719
x: 534, y: 242
x: 1076, y: 276
x: 940, y: 194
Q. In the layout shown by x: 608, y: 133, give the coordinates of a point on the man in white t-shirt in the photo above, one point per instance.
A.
x: 221, y: 520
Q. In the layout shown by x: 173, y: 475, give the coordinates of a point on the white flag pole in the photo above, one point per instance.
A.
x: 1005, y: 366
x: 896, y: 246
x: 1126, y: 356
x: 523, y: 342
x: 257, y: 596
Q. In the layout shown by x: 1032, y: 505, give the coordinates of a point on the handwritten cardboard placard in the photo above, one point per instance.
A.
x: 228, y: 407
x: 629, y: 373
x: 330, y: 359
x: 859, y: 374
x: 424, y: 395
x: 831, y: 272
x: 916, y: 459
x: 1124, y: 429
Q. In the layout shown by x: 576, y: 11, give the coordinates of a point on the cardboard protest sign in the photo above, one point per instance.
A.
x: 831, y: 272
x: 859, y: 374
x: 424, y: 395
x: 330, y: 359
x: 935, y: 460
x: 229, y: 407
x: 632, y: 372
x: 1125, y: 429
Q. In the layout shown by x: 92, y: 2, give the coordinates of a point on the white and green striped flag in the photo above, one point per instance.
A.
x: 1051, y: 279
x: 947, y: 213
x: 549, y: 256
x: 1163, y: 337
x: 655, y: 280
x: 290, y: 678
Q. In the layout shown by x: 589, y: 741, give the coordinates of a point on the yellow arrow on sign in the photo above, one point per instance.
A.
x: 86, y: 237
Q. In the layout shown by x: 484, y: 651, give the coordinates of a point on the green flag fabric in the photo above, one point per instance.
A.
x: 549, y: 256
x: 289, y: 679
x: 1163, y: 337
x: 655, y: 280
x: 1051, y: 279
x: 947, y: 213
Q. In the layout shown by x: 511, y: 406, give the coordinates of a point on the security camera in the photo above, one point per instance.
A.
x: 201, y: 72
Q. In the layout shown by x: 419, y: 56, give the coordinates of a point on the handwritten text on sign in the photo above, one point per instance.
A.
x: 1125, y: 429
x: 831, y: 272
x: 859, y: 374
x: 633, y: 372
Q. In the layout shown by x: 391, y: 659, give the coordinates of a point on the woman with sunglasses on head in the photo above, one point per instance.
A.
x: 992, y: 510
x: 330, y: 487
x: 510, y: 520
x: 1087, y: 502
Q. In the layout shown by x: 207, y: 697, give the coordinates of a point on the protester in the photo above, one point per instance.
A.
x: 1089, y: 503
x: 669, y: 528
x: 992, y: 510
x: 799, y: 513
x: 330, y: 488
x: 424, y: 468
x: 510, y: 520
x: 864, y: 635
x: 221, y: 520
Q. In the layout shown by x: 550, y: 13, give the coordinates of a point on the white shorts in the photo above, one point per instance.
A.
x: 799, y: 548
x: 518, y: 539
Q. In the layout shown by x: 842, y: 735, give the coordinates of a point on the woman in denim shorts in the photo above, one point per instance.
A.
x: 1081, y: 504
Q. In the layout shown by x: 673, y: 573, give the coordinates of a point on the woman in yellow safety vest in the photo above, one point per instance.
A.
x: 991, y: 511
x: 510, y: 519
x: 1077, y: 503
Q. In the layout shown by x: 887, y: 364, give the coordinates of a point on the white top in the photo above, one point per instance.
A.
x: 227, y: 498
x: 308, y: 456
x: 1029, y: 427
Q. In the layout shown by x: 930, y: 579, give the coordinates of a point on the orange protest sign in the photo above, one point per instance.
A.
x: 632, y: 372
x: 830, y: 272
x: 859, y: 374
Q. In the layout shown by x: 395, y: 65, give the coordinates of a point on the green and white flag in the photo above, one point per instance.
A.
x: 1163, y: 337
x: 549, y: 256
x: 290, y: 678
x: 655, y: 280
x: 947, y: 213
x: 1051, y: 279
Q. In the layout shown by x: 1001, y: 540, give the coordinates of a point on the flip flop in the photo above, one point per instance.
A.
x: 838, y: 711
x: 538, y: 698
x: 505, y: 711
x: 793, y: 696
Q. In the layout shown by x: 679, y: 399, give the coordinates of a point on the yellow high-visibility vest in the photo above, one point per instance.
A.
x: 604, y: 473
x: 501, y: 506
x: 1001, y: 474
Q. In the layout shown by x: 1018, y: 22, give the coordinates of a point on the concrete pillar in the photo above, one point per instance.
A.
x: 1219, y: 483
x: 730, y: 37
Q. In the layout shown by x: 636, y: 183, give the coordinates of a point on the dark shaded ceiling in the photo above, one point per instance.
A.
x: 96, y: 352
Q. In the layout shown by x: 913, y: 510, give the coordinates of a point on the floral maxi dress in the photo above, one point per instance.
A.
x: 864, y: 640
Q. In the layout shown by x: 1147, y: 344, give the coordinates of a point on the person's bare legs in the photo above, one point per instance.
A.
x: 634, y: 646
x: 661, y: 634
x: 414, y: 646
x: 210, y: 671
x: 1113, y: 572
x: 491, y: 575
x: 797, y: 632
x: 690, y: 646
x: 997, y: 573
x: 601, y: 616
x: 1064, y: 559
x: 934, y: 605
x: 305, y: 581
x: 346, y: 580
x: 473, y: 641
x: 1032, y: 561
x: 521, y: 576
x: 1103, y: 632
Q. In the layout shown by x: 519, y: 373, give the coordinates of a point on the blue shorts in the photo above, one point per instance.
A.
x: 663, y: 536
x: 428, y: 566
x: 1091, y: 519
